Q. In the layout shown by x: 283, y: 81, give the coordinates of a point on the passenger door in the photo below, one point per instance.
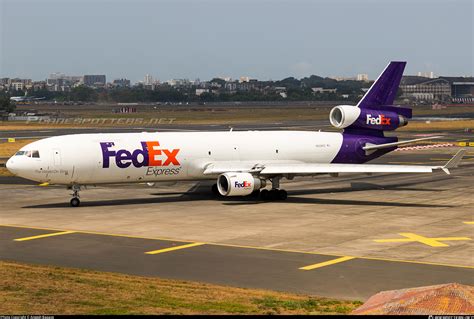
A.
x: 57, y: 157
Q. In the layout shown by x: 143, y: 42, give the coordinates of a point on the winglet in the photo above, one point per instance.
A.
x: 454, y: 161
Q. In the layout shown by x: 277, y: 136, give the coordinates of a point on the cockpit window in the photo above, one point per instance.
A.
x: 34, y: 154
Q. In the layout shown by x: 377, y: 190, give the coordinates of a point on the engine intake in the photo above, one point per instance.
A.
x: 342, y: 116
x: 238, y: 184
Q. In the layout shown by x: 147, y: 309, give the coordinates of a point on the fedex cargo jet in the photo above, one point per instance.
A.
x: 242, y: 163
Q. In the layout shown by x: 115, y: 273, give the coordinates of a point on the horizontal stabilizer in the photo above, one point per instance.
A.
x: 369, y: 148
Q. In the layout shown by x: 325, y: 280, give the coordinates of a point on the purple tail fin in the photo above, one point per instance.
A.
x: 376, y: 115
x: 384, y: 89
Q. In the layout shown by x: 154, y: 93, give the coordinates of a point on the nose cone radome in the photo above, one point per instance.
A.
x: 10, y: 165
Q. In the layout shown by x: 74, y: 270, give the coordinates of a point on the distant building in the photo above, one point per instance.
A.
x: 322, y: 90
x: 148, y: 80
x: 245, y: 79
x: 56, y: 75
x: 343, y: 78
x: 94, y: 80
x: 231, y: 86
x: 39, y: 85
x: 429, y: 75
x: 442, y: 89
x: 362, y: 77
x: 17, y: 86
x: 18, y: 80
x: 201, y: 91
x: 426, y: 89
x: 180, y: 83
x: 249, y: 85
x: 60, y: 82
x: 462, y: 89
x: 61, y: 76
x: 121, y: 83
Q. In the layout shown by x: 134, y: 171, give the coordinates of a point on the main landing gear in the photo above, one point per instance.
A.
x: 75, y: 202
x: 275, y: 193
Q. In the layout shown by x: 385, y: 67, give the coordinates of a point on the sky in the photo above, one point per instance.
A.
x: 263, y: 39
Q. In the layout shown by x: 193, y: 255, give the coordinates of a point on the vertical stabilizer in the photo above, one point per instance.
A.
x: 384, y: 89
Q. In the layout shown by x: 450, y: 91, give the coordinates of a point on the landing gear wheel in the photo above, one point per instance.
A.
x: 282, y: 194
x: 265, y: 194
x: 254, y: 194
x: 75, y: 202
x: 273, y: 194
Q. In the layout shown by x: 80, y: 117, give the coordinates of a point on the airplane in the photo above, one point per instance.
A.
x: 26, y: 98
x: 242, y: 163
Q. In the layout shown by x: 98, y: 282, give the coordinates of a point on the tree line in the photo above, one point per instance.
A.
x: 296, y: 90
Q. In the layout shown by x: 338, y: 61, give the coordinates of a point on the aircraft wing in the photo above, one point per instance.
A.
x: 275, y: 168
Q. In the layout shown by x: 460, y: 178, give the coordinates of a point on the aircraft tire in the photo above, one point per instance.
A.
x: 282, y: 194
x: 254, y: 194
x: 75, y: 202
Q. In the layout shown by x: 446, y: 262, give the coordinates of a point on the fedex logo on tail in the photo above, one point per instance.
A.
x: 379, y: 120
x: 244, y: 184
x: 150, y: 154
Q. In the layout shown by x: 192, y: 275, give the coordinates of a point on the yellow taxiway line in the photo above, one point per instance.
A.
x: 327, y: 263
x: 430, y: 241
x: 45, y: 235
x: 253, y: 247
x: 469, y: 223
x: 160, y: 251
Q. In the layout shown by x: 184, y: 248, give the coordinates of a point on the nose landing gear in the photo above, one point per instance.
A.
x: 75, y: 202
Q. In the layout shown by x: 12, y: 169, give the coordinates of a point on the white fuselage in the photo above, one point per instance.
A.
x: 92, y: 159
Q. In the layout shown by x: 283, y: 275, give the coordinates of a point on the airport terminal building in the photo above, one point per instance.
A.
x: 442, y: 89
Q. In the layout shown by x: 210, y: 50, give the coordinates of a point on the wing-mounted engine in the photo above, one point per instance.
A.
x: 383, y: 118
x: 238, y: 184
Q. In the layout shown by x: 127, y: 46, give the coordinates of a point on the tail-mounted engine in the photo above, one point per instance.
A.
x: 383, y: 118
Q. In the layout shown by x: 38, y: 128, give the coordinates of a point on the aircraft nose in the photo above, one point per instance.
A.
x: 10, y: 165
